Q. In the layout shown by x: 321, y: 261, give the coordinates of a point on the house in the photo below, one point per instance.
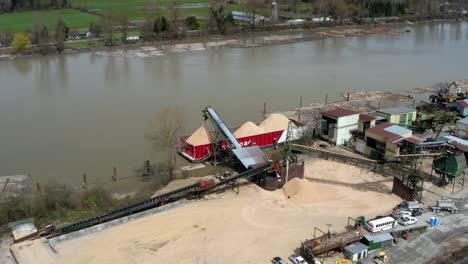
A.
x: 356, y: 251
x: 402, y: 116
x: 462, y: 128
x: 377, y: 241
x: 385, y: 140
x: 337, y: 125
x: 461, y: 106
x: 365, y: 122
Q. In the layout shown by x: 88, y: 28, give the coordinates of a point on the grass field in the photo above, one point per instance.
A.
x: 22, y: 21
x: 133, y: 9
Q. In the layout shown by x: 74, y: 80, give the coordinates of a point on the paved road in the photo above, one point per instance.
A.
x: 435, y: 241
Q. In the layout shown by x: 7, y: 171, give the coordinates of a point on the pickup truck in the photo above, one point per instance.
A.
x: 445, y: 204
x: 297, y: 259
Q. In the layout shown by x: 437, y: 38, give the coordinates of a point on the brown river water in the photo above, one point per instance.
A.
x: 62, y: 116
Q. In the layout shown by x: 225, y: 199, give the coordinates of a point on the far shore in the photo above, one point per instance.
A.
x: 283, y: 36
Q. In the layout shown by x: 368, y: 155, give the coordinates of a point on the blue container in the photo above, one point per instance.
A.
x: 437, y: 221
x: 432, y: 221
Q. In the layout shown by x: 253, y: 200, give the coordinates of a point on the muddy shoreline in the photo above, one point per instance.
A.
x: 275, y: 36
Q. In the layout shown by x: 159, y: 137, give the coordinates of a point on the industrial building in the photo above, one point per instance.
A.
x: 384, y: 140
x: 377, y: 241
x: 337, y: 125
x: 461, y: 106
x: 462, y: 128
x: 356, y: 251
x: 402, y: 116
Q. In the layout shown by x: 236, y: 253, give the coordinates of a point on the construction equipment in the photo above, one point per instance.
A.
x: 343, y: 261
x: 446, y: 96
x: 380, y: 258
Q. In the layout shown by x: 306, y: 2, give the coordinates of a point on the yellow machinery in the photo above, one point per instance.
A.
x: 344, y: 261
x: 381, y: 258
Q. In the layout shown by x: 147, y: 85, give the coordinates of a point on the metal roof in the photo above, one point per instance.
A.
x: 463, y: 121
x: 339, y: 112
x: 459, y: 143
x: 378, y: 238
x: 250, y: 156
x: 396, y: 110
x: 381, y: 131
x: 365, y: 118
x: 356, y: 248
x: 463, y: 103
x: 398, y: 130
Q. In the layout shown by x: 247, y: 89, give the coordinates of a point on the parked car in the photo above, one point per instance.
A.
x: 408, y: 220
x: 297, y: 259
x: 278, y: 260
x: 401, y: 213
x: 417, y: 213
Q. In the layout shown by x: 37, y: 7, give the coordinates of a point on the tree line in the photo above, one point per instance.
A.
x: 40, y: 36
x: 15, y: 5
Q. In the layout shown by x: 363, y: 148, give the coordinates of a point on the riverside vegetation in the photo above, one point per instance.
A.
x: 49, y: 24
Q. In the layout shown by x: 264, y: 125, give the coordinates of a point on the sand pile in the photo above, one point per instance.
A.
x: 248, y: 129
x: 335, y: 172
x: 274, y: 122
x: 302, y: 191
x: 200, y: 137
x: 229, y: 226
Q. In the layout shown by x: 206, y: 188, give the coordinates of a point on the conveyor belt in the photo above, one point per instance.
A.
x: 335, y: 155
x: 128, y: 210
x: 178, y: 194
x: 227, y: 134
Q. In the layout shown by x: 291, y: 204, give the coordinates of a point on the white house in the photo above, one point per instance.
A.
x: 337, y: 125
x: 462, y: 128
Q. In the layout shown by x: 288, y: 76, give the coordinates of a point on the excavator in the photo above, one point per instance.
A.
x: 446, y: 96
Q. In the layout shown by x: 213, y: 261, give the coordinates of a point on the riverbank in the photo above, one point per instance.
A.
x: 242, y: 37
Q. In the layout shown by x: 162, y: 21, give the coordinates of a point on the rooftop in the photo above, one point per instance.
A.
x: 340, y: 112
x: 463, y: 103
x: 365, y: 118
x: 355, y: 248
x: 412, y: 140
x: 390, y: 132
x: 396, y: 110
x: 378, y: 238
x: 463, y: 121
x: 459, y: 143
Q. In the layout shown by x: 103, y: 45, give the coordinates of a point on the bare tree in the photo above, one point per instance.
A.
x: 61, y: 32
x: 107, y: 25
x: 174, y: 16
x: 338, y: 9
x: 124, y: 27
x: 163, y: 135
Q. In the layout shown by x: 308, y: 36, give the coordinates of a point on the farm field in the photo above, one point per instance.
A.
x: 23, y: 21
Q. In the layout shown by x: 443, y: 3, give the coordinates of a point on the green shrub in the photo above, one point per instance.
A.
x: 192, y: 23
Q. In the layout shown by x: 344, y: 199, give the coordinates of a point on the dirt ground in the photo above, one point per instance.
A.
x: 251, y: 227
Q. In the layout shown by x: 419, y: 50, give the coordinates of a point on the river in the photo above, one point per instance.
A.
x: 62, y: 116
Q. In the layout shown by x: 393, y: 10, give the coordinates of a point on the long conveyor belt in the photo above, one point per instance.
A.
x: 334, y: 155
x: 149, y: 203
